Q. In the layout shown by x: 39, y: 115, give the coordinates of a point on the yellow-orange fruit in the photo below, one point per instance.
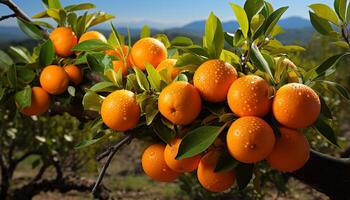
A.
x: 63, y: 40
x: 249, y: 96
x: 183, y: 165
x: 120, y: 111
x: 40, y: 102
x: 54, y: 79
x: 169, y: 65
x: 92, y: 35
x: 296, y: 106
x: 117, y: 64
x: 250, y: 139
x: 148, y: 50
x: 74, y: 74
x: 213, y: 80
x: 154, y: 166
x: 211, y: 180
x: 180, y: 103
x: 291, y: 151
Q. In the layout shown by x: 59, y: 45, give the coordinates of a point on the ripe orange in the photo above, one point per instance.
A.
x: 180, y: 103
x: 74, y: 74
x: 154, y: 166
x: 250, y: 139
x: 40, y: 102
x: 54, y: 79
x: 63, y: 40
x: 169, y: 65
x: 184, y: 165
x: 211, y: 180
x: 213, y: 79
x: 117, y: 64
x: 120, y: 111
x: 291, y: 151
x: 148, y: 50
x: 92, y: 35
x: 249, y: 96
x: 296, y: 106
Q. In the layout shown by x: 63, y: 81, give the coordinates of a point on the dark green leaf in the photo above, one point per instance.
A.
x: 197, y: 141
x: 103, y: 87
x: 24, y: 97
x: 340, y: 8
x: 252, y: 7
x: 226, y: 162
x: 12, y: 76
x: 92, y: 45
x: 188, y: 59
x: 30, y: 29
x: 163, y: 132
x: 21, y: 54
x: 99, y: 62
x: 25, y: 75
x: 325, y: 130
x: 273, y: 19
x: 87, y: 143
x: 325, y: 110
x: 244, y: 173
x: 321, y: 25
x: 47, y: 54
x: 5, y: 61
x: 339, y: 88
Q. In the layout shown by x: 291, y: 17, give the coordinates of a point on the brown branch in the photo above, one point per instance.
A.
x: 7, y: 16
x: 19, y: 13
x: 110, y: 152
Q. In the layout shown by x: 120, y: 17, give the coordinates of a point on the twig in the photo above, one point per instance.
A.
x: 7, y: 16
x: 19, y: 13
x: 110, y: 152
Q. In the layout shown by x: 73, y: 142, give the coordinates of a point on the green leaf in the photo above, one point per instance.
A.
x: 145, y: 32
x: 226, y: 163
x: 153, y: 77
x: 54, y: 13
x: 187, y: 60
x: 197, y: 141
x: 348, y: 13
x: 92, y: 101
x: 181, y: 77
x: 99, y: 136
x: 40, y: 15
x: 241, y: 18
x: 103, y: 87
x: 163, y: 132
x: 244, y: 173
x: 214, y: 36
x: 47, y: 54
x: 5, y: 61
x: 100, y: 18
x: 43, y: 24
x: 339, y: 88
x: 256, y: 22
x: 181, y: 41
x: 273, y: 19
x: 340, y: 8
x: 25, y: 75
x: 71, y: 91
x: 325, y: 12
x: 54, y: 4
x: 325, y: 110
x: 253, y: 7
x: 115, y: 77
x: 325, y: 130
x: 321, y: 25
x: 92, y: 45
x: 30, y: 29
x: 24, y: 97
x: 260, y: 61
x: 21, y: 54
x: 164, y: 39
x: 149, y: 106
x: 99, y: 62
x: 141, y: 79
x: 12, y: 76
x: 195, y: 49
x: 229, y: 57
x: 81, y: 6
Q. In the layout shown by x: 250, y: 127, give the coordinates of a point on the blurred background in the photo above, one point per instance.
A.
x: 58, y: 135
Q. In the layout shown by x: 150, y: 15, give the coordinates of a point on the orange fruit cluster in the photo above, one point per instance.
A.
x: 159, y: 163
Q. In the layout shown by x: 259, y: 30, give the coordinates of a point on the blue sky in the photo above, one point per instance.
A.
x: 165, y: 13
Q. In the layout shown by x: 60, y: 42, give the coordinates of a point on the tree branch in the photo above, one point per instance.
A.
x: 110, y: 152
x: 7, y: 16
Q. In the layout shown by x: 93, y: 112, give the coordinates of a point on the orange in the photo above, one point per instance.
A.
x: 296, y: 106
x: 154, y: 166
x: 74, y: 74
x: 213, y: 79
x: 249, y: 96
x: 92, y: 35
x: 63, y: 40
x: 148, y: 50
x: 291, y: 151
x: 40, y: 102
x: 117, y: 64
x: 183, y: 165
x: 180, y: 103
x: 169, y: 65
x: 211, y: 180
x: 250, y: 139
x: 120, y: 111
x: 54, y: 79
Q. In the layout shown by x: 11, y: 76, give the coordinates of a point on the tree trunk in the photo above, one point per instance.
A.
x: 326, y: 174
